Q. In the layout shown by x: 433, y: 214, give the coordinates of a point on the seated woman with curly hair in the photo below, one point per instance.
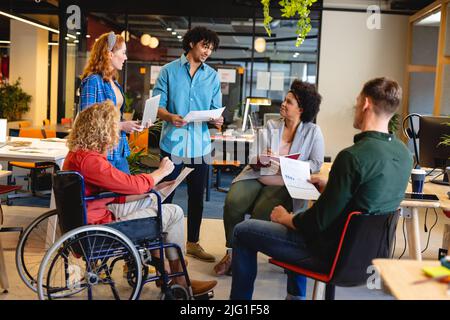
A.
x: 257, y: 194
x: 95, y: 132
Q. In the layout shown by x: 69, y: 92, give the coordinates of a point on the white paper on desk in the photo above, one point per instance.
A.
x: 165, y: 192
x: 151, y: 109
x: 295, y: 175
x: 203, y: 115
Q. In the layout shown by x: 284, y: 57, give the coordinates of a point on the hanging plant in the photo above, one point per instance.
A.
x: 291, y: 9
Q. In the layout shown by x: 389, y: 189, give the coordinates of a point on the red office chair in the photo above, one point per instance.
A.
x: 364, y: 238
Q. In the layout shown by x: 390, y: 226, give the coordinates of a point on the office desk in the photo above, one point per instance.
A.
x: 399, y: 275
x: 61, y: 130
x: 44, y: 151
x: 411, y: 210
x: 3, y: 276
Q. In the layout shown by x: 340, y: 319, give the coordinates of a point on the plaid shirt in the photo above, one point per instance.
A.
x: 94, y: 90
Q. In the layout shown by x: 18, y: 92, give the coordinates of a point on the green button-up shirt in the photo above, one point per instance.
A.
x: 371, y: 176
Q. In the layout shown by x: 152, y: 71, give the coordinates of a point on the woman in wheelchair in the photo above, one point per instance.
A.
x: 95, y: 132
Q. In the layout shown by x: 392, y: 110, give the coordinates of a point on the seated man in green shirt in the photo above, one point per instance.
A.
x: 370, y: 176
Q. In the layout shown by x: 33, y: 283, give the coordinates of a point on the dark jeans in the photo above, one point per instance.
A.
x: 255, y: 198
x: 273, y: 239
x: 196, y: 182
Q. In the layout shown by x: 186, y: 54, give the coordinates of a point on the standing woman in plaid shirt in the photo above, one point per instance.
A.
x: 99, y: 83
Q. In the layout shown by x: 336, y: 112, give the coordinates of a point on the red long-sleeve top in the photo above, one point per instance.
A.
x: 100, y: 176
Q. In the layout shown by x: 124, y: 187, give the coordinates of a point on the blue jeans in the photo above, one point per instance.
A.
x: 121, y: 164
x: 273, y: 239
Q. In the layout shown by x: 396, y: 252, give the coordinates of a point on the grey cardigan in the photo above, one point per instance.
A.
x: 308, y: 141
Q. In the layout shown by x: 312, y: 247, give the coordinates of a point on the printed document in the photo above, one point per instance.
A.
x: 204, y: 115
x: 295, y: 175
x: 166, y: 191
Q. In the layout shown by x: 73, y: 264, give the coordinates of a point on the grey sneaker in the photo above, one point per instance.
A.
x: 195, y: 250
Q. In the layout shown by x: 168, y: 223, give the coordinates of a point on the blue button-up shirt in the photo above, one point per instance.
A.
x: 180, y: 94
x: 95, y: 90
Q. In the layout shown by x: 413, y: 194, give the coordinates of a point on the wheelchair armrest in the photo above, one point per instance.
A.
x: 104, y: 195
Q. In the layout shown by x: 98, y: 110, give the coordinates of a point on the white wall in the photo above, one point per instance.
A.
x: 29, y: 61
x: 351, y: 54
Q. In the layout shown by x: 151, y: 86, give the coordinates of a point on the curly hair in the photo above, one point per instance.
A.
x: 99, y: 60
x: 96, y: 128
x: 307, y: 98
x: 198, y: 34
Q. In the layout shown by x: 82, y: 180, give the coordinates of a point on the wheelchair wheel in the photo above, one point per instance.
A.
x: 33, y: 244
x: 87, y: 263
x: 176, y: 292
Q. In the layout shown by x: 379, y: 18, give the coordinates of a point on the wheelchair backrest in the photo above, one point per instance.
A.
x: 367, y: 237
x: 68, y: 187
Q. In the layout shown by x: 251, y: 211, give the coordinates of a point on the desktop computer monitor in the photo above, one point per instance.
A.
x: 433, y: 154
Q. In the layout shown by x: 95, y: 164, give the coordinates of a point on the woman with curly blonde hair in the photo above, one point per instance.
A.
x: 99, y: 83
x: 95, y: 131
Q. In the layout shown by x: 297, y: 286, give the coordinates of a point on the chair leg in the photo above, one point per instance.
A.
x: 3, y: 276
x: 319, y: 290
x: 330, y: 291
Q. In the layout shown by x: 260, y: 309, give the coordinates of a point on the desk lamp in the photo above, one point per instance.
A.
x: 256, y: 101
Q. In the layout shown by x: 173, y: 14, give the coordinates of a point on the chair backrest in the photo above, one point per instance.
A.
x: 139, y: 140
x: 37, y: 133
x: 68, y: 187
x: 24, y: 124
x: 66, y: 121
x: 365, y: 237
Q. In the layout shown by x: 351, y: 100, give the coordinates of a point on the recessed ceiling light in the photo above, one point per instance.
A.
x: 179, y: 37
x: 88, y: 36
x: 78, y: 32
x: 174, y: 33
x: 169, y: 29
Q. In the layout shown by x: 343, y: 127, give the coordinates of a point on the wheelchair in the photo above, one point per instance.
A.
x: 88, y: 261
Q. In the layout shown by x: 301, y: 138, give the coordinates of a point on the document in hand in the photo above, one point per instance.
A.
x: 295, y: 175
x: 151, y: 109
x: 203, y: 115
x: 166, y: 191
x: 265, y: 158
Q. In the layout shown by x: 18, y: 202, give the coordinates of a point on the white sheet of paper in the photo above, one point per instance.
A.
x: 227, y: 75
x: 3, y: 125
x: 262, y: 80
x: 295, y: 175
x: 151, y: 109
x: 165, y: 192
x: 154, y: 73
x: 203, y: 115
x: 277, y: 81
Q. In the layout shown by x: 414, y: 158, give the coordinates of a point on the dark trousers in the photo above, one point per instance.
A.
x: 196, y: 182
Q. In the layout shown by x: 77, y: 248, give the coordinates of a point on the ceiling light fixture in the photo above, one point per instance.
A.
x: 169, y: 29
x: 32, y: 23
x: 145, y: 39
x: 260, y: 45
x: 154, y: 43
x: 125, y: 35
x: 174, y: 33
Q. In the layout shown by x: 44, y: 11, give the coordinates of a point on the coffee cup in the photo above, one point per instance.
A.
x: 417, y: 180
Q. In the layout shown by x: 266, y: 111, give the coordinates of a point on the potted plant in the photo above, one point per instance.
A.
x: 14, y: 102
x: 128, y: 110
x: 290, y: 9
x: 394, y: 123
